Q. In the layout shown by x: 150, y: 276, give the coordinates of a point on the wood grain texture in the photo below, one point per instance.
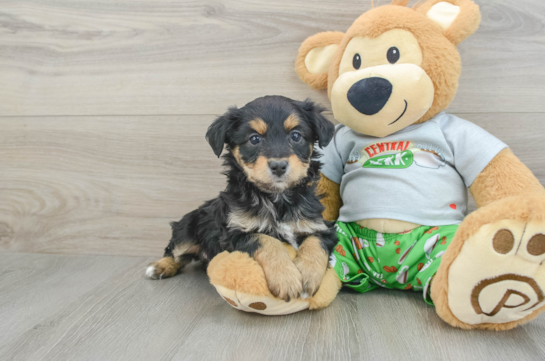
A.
x: 102, y: 57
x: 56, y: 307
x: 111, y: 185
x: 101, y: 185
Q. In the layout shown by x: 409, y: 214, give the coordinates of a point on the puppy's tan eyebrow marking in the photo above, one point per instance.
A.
x: 291, y: 122
x: 259, y: 125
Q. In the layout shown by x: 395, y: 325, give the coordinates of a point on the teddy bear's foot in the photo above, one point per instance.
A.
x: 241, y: 282
x: 497, y: 280
x: 266, y: 305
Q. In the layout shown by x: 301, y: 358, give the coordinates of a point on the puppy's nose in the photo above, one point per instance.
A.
x: 278, y: 168
x: 370, y: 95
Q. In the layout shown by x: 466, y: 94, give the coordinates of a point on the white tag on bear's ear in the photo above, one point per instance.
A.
x: 444, y: 14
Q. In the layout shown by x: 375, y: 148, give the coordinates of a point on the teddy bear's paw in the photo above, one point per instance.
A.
x: 164, y: 268
x: 499, y: 275
x: 265, y: 305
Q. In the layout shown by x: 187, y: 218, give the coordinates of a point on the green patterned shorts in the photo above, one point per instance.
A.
x: 365, y: 259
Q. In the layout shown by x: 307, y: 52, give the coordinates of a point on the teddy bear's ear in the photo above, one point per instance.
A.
x: 458, y: 18
x: 315, y: 55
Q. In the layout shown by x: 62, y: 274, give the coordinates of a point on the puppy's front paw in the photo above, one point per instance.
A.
x: 312, y: 275
x: 312, y: 262
x: 283, y: 278
x: 164, y: 268
x: 284, y: 282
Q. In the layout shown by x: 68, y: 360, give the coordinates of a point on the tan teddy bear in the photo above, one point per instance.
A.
x: 396, y: 174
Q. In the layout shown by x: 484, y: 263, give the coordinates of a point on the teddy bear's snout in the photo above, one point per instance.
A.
x: 370, y: 95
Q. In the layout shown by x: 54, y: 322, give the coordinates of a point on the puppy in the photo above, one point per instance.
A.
x: 270, y: 199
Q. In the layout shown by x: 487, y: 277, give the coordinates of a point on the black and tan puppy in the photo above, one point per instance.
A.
x: 270, y: 197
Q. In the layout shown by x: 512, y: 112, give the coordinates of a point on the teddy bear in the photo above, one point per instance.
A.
x: 396, y: 175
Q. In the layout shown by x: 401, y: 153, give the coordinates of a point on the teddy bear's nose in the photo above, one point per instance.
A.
x: 369, y: 95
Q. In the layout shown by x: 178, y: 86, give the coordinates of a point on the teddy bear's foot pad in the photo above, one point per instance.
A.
x: 499, y: 275
x: 261, y: 304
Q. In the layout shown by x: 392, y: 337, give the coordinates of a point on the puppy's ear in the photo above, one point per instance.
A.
x: 217, y: 132
x: 323, y: 129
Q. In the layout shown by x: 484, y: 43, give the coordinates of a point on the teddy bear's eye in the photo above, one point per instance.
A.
x: 392, y: 55
x: 356, y: 62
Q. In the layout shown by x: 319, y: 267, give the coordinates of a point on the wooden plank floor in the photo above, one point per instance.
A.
x: 59, y: 307
x: 103, y: 109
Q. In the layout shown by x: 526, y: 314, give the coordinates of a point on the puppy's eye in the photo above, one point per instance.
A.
x: 356, y: 61
x: 296, y: 136
x: 255, y: 139
x: 393, y: 55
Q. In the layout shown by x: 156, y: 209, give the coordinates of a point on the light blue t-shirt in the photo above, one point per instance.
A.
x: 419, y: 174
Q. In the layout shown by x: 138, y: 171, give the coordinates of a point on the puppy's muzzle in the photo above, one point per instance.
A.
x: 278, y: 168
x: 368, y: 96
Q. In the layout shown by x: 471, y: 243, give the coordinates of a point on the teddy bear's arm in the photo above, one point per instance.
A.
x: 331, y: 198
x: 503, y: 177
